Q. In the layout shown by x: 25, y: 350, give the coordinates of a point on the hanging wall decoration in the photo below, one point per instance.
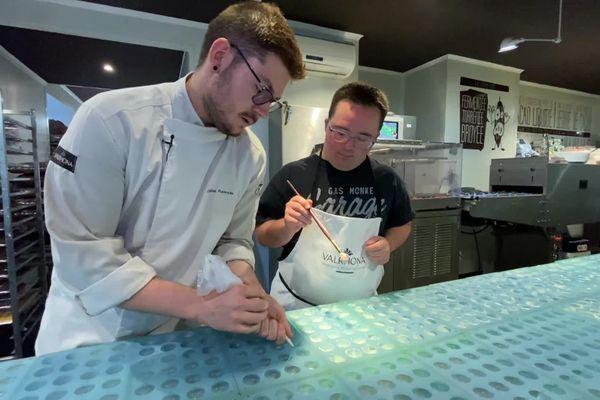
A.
x: 476, y: 113
x: 499, y: 119
x: 473, y: 118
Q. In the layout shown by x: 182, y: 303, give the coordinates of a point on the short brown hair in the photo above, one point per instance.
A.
x: 361, y: 93
x: 257, y: 28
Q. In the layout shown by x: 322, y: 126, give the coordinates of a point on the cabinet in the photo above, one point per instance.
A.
x: 23, y: 272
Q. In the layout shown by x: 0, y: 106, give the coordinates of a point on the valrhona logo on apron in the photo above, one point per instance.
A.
x: 314, y: 270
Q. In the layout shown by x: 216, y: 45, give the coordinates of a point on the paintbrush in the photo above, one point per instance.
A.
x: 343, y: 256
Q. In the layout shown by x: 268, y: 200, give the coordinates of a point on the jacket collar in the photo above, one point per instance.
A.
x: 182, y: 108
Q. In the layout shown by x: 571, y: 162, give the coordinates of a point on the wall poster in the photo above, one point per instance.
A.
x: 473, y: 118
x: 476, y: 113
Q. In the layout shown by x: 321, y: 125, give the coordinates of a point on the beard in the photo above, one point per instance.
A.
x: 218, y: 104
x: 218, y: 116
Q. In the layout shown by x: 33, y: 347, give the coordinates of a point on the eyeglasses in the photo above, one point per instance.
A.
x: 264, y: 94
x: 361, y: 140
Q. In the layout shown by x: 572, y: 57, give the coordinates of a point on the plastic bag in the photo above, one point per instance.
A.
x: 215, y: 275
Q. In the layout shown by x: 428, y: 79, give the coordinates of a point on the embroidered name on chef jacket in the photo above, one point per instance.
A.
x: 63, y: 158
x: 220, y: 191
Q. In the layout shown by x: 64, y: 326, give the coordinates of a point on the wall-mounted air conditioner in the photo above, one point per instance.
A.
x: 328, y: 59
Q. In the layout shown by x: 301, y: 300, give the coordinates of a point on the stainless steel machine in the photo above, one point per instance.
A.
x: 432, y: 174
x: 533, y: 192
x: 530, y: 204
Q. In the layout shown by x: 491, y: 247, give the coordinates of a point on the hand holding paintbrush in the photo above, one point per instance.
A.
x: 343, y: 256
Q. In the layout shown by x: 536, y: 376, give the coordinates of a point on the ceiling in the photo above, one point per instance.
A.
x: 398, y: 35
x: 76, y: 61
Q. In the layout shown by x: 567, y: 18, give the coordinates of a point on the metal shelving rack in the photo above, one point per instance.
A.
x: 23, y: 271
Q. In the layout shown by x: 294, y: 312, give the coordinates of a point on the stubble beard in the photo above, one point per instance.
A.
x: 213, y: 104
x: 217, y: 117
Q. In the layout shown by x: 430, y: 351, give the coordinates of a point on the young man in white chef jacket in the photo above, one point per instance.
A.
x: 147, y: 181
x: 363, y: 204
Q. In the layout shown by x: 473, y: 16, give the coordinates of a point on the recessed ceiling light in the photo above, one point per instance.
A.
x: 108, y: 68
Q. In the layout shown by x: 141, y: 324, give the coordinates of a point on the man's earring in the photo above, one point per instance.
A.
x: 215, y: 68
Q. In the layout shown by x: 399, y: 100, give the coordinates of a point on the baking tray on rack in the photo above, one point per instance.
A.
x: 26, y: 279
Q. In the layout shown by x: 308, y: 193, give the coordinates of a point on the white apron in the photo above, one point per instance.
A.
x: 314, y: 271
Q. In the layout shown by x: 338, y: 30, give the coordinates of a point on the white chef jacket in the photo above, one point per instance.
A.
x: 134, y: 209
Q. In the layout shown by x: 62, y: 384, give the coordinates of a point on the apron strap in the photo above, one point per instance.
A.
x: 378, y: 196
x: 289, y: 289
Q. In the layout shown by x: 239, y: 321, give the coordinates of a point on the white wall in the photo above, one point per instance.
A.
x: 476, y: 163
x: 566, y: 96
x: 110, y: 23
x: 129, y: 26
x: 391, y: 82
x: 22, y: 90
x: 315, y: 91
x: 94, y: 21
x: 104, y: 22
x: 432, y: 94
x: 425, y: 98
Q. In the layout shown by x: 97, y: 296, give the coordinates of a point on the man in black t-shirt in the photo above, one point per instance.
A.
x: 342, y: 180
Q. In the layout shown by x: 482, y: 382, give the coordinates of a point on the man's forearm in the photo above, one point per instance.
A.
x: 397, y: 236
x: 273, y: 233
x: 164, y: 297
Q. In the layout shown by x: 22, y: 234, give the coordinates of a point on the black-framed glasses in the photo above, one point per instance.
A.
x: 343, y: 136
x: 264, y: 94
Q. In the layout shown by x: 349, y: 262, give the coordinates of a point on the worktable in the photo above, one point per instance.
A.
x: 528, y: 333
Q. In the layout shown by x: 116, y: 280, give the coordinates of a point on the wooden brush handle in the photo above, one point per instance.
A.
x: 324, y: 230
x: 318, y: 222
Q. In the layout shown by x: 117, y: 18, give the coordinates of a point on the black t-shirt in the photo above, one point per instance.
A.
x: 347, y: 193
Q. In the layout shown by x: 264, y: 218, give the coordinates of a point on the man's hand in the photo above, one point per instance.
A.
x: 239, y: 309
x: 378, y: 250
x: 278, y: 232
x: 296, y: 213
x: 275, y: 326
